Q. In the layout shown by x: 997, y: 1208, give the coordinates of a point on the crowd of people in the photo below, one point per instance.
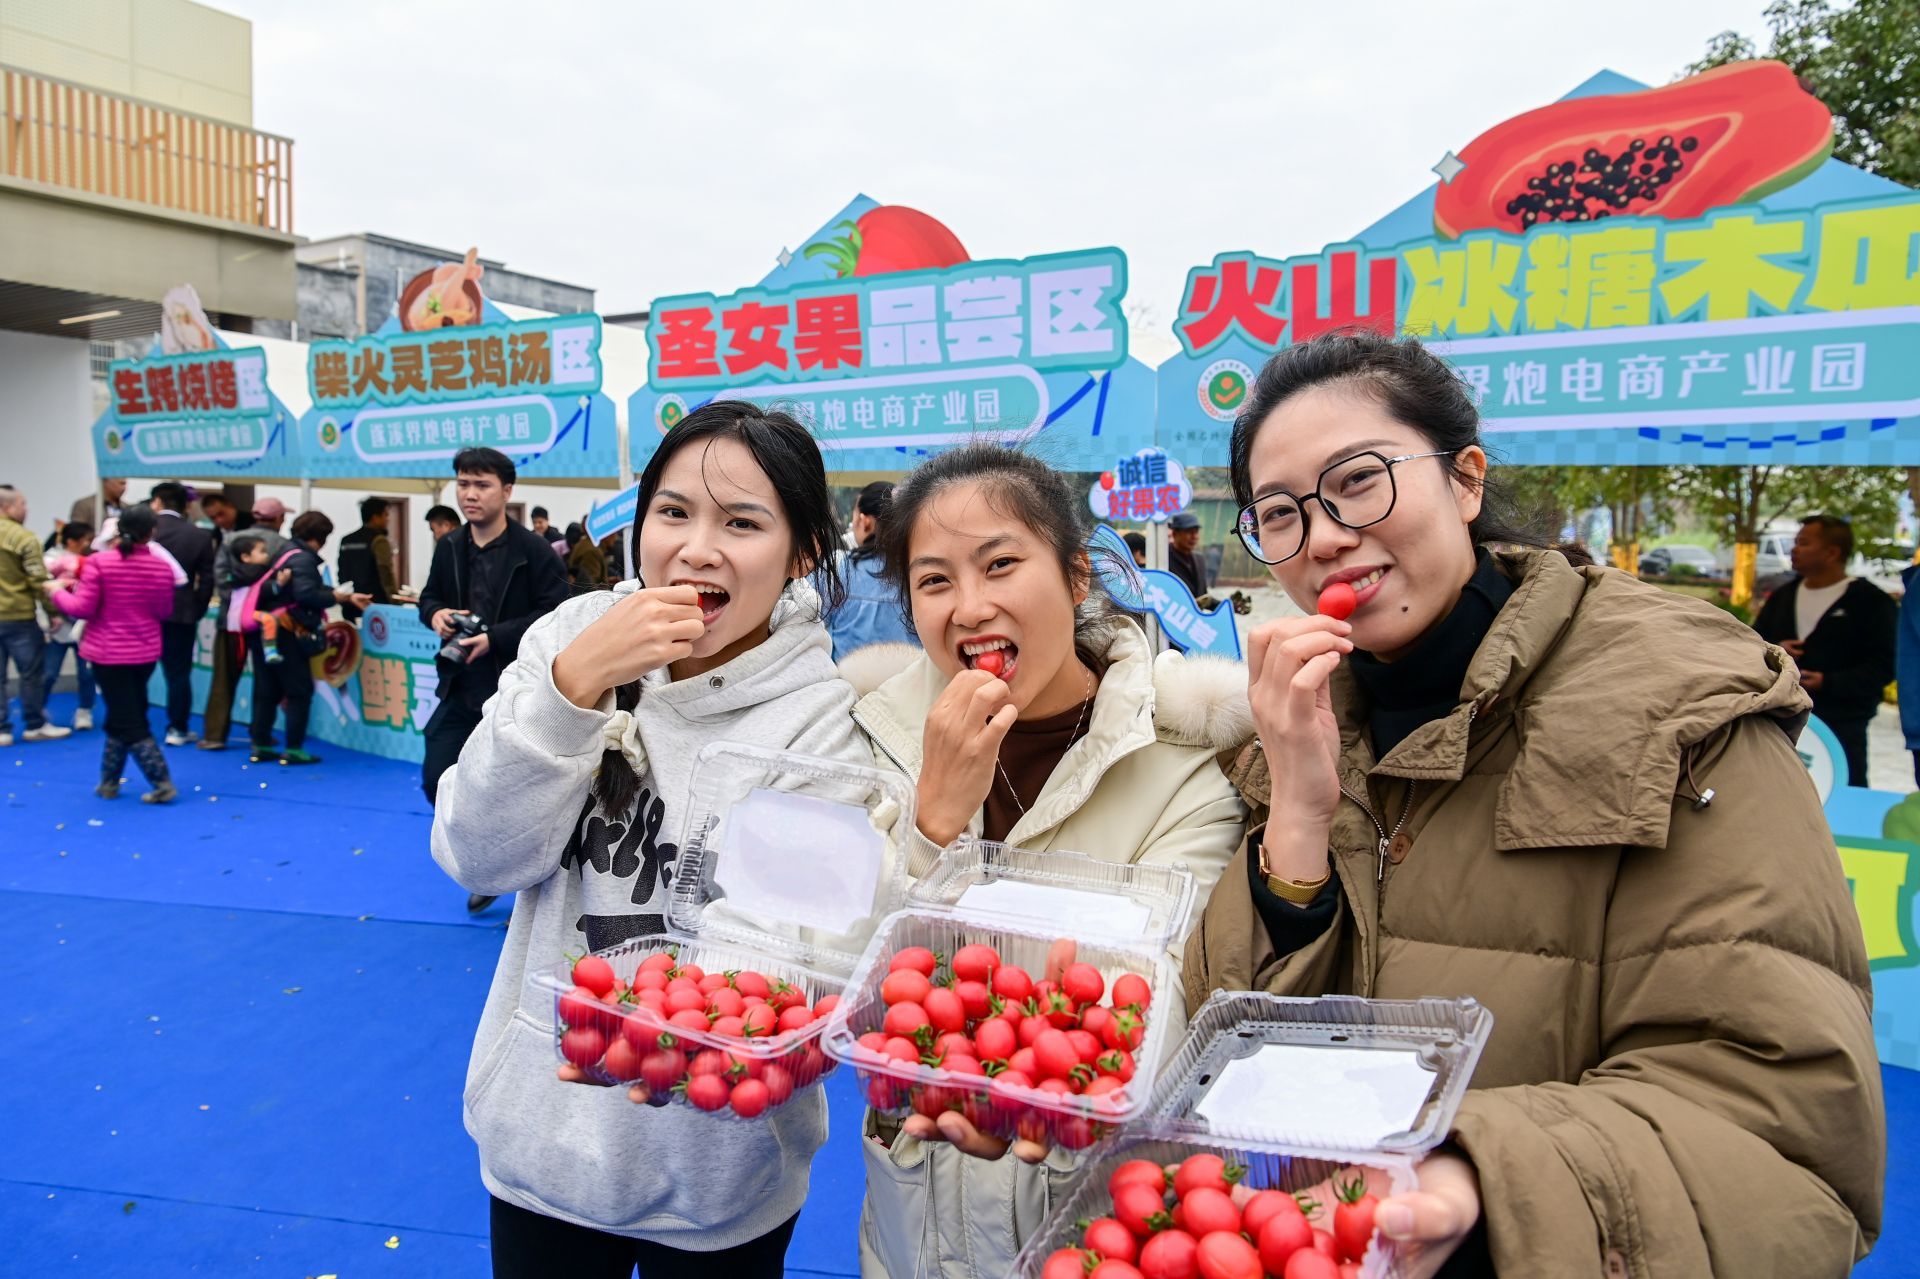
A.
x: 91, y: 595
x: 1509, y: 774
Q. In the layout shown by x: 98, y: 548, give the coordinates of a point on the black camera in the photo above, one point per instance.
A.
x: 465, y: 626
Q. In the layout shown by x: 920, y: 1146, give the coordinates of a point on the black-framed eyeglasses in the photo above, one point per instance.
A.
x: 1357, y: 491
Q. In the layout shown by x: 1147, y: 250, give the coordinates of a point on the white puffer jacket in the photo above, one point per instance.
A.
x: 1143, y: 785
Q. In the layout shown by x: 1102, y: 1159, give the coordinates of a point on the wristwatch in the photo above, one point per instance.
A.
x: 1298, y: 892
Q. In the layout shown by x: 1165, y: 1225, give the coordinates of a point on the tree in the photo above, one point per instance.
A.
x: 1633, y: 495
x: 1740, y: 501
x: 1863, y: 61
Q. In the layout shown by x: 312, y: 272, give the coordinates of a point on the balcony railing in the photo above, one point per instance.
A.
x: 67, y: 135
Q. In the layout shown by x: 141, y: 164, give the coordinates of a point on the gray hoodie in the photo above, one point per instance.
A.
x: 511, y: 817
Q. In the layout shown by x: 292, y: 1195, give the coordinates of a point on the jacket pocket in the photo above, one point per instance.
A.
x: 893, y: 1218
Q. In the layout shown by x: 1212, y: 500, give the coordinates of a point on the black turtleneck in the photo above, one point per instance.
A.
x: 1424, y: 684
x: 1402, y: 695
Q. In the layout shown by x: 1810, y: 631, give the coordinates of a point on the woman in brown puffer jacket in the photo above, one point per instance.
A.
x: 1572, y: 797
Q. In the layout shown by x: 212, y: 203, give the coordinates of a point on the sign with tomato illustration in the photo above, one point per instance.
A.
x: 448, y: 370
x: 1679, y: 274
x: 194, y: 406
x: 890, y: 341
x: 1148, y: 486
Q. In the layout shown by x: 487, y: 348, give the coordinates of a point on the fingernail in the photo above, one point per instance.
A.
x: 1395, y: 1220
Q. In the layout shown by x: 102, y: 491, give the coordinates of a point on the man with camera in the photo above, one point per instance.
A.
x: 491, y: 579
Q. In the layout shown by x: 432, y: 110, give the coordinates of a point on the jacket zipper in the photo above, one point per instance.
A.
x: 1406, y: 811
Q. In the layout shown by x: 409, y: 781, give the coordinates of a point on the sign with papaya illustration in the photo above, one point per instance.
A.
x: 1678, y: 274
x: 449, y: 371
x: 890, y: 341
x: 193, y: 406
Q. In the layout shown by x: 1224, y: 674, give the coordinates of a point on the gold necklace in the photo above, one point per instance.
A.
x: 1077, y: 721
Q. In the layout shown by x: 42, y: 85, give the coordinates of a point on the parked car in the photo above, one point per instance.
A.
x: 1682, y: 561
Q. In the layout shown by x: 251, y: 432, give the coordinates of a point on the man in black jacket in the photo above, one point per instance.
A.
x: 193, y: 547
x: 1839, y: 630
x: 500, y: 572
x: 366, y: 557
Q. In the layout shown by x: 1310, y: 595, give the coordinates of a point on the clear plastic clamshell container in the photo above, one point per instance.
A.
x: 785, y: 864
x: 1302, y: 1094
x: 1022, y: 904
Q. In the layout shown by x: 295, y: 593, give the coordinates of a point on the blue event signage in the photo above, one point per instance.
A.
x: 1155, y: 591
x: 1150, y: 485
x: 890, y: 343
x: 199, y: 413
x: 1779, y: 329
x: 402, y: 403
x: 615, y: 514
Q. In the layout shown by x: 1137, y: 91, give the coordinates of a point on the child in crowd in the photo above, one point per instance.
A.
x: 250, y: 567
x: 63, y: 566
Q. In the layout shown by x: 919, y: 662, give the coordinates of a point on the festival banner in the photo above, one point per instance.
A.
x: 193, y: 407
x: 891, y: 343
x: 1627, y: 276
x: 450, y: 371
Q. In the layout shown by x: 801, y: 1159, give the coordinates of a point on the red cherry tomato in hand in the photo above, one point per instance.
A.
x: 1338, y: 601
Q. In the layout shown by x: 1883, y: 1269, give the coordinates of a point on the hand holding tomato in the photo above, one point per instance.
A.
x: 960, y: 747
x: 1289, y: 663
x: 1425, y: 1225
x: 644, y: 631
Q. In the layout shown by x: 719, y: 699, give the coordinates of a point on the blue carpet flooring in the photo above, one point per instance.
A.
x: 235, y: 1030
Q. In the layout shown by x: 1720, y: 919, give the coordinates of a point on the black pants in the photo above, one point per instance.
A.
x: 527, y: 1245
x: 1853, y: 740
x: 125, y: 690
x: 176, y: 660
x: 447, y: 731
x: 288, y: 680
x: 229, y: 660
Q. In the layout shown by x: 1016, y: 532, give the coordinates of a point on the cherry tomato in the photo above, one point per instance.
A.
x: 749, y: 1098
x: 708, y: 1092
x: 945, y: 1011
x: 1140, y: 1206
x: 1143, y: 1171
x: 1225, y: 1255
x: 1130, y: 990
x: 622, y: 1061
x: 1353, y: 1218
x: 1208, y: 1211
x: 914, y: 958
x: 1171, y: 1254
x: 1205, y: 1170
x: 1012, y: 984
x: 904, y: 1019
x: 1308, y: 1264
x: 1066, y: 1263
x: 1338, y: 600
x: 975, y: 999
x: 1110, y: 1239
x: 1262, y: 1206
x: 995, y: 1040
x: 583, y: 1046
x: 975, y: 962
x: 1083, y: 983
x: 905, y: 986
x: 594, y: 973
x: 779, y: 1082
x: 752, y: 985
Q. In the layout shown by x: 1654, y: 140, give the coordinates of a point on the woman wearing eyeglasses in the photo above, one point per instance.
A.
x: 1515, y: 776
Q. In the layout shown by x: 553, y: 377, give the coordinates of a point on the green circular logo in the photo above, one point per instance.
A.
x: 669, y: 411
x: 1223, y: 388
x: 115, y: 441
x: 329, y: 434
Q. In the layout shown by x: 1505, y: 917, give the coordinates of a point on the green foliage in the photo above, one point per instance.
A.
x: 1862, y: 60
x: 1903, y: 820
x: 1738, y: 501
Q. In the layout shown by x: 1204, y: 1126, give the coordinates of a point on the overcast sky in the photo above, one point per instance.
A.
x: 645, y: 149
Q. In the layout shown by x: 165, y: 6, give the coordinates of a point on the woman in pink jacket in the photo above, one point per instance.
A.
x: 124, y: 593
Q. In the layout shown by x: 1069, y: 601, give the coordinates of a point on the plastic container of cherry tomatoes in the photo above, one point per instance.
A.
x: 1300, y: 1095
x: 1022, y: 903
x: 786, y: 862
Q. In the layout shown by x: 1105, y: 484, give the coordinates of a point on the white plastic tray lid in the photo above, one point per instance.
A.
x: 791, y: 854
x: 1337, y: 1073
x: 1078, y: 895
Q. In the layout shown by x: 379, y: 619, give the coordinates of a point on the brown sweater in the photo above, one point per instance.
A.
x: 1028, y: 755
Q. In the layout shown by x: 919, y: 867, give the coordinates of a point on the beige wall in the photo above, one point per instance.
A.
x: 171, y: 52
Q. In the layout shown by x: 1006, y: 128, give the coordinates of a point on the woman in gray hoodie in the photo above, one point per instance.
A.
x: 572, y: 793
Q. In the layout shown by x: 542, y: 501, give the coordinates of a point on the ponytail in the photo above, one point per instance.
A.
x: 135, y: 529
x: 616, y: 785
